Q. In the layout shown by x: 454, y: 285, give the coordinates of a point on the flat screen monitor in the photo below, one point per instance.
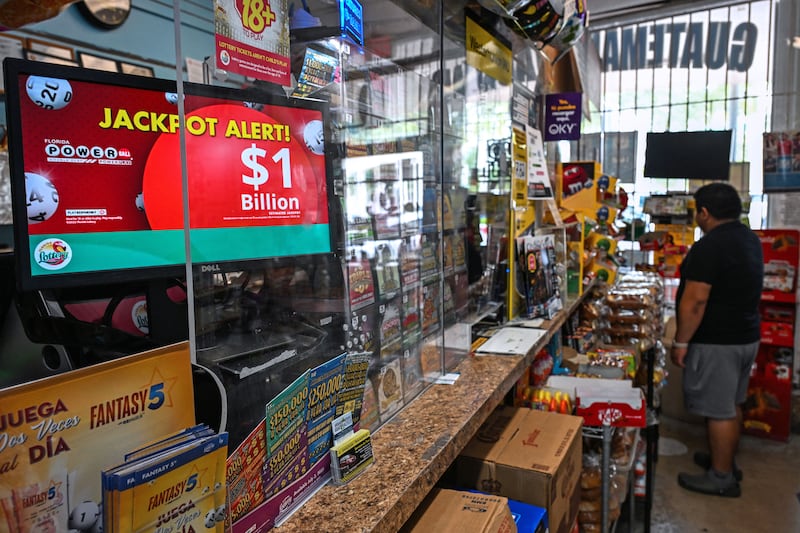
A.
x: 97, y: 171
x: 688, y: 155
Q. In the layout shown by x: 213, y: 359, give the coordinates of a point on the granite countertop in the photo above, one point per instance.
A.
x: 416, y: 447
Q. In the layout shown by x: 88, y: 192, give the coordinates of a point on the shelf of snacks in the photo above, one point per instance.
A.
x: 767, y: 412
x: 673, y: 231
x: 589, y: 202
x: 619, y: 482
x: 607, y: 370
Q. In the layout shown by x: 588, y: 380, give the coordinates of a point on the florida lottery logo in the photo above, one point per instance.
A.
x: 52, y: 254
x: 139, y: 316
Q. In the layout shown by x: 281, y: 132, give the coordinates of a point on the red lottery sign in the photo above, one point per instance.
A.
x: 256, y: 14
x: 245, y: 168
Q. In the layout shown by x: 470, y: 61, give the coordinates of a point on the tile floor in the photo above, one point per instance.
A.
x: 770, y: 501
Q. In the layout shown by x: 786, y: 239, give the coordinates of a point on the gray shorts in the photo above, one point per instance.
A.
x: 715, y: 378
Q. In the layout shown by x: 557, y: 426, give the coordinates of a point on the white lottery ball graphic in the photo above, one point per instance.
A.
x: 41, y: 198
x: 314, y: 137
x: 172, y: 98
x: 210, y: 520
x: 98, y: 525
x: 140, y: 201
x: 84, y: 515
x: 48, y: 93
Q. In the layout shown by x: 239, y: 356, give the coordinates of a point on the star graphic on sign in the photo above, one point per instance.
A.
x: 200, y: 474
x: 158, y: 378
x: 56, y: 486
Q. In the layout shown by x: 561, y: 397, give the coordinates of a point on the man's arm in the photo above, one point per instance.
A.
x: 691, y: 308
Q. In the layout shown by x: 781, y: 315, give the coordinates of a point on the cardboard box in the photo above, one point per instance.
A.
x: 780, y: 249
x: 528, y: 518
x: 461, y: 511
x: 777, y: 333
x: 530, y: 456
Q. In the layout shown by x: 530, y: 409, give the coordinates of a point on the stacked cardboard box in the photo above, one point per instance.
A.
x: 530, y: 456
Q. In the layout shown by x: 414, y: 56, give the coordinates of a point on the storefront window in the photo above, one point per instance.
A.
x: 706, y: 70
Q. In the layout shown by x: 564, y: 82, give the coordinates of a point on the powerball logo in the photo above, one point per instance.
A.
x: 62, y: 151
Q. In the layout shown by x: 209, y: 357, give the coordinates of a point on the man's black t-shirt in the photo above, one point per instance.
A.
x: 729, y: 258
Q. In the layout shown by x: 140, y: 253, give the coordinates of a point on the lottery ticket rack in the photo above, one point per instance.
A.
x: 416, y: 448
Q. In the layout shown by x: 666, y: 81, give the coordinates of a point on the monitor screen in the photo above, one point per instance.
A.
x: 688, y: 155
x: 97, y: 172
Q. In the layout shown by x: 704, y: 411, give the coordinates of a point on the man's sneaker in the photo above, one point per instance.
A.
x: 703, y: 460
x: 709, y: 483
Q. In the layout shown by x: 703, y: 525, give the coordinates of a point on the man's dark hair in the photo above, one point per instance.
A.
x: 721, y: 200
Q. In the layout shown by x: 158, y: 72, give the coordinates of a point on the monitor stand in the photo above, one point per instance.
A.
x: 168, y: 321
x: 21, y: 359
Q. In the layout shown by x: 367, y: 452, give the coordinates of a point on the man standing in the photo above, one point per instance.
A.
x: 718, y: 331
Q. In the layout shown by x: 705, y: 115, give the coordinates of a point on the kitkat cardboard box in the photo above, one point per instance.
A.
x: 530, y: 456
x: 461, y: 511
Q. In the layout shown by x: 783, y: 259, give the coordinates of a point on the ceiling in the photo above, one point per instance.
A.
x: 608, y: 13
x: 604, y: 9
x: 399, y: 19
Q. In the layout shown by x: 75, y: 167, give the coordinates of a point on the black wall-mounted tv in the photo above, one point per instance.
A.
x: 97, y: 169
x: 688, y: 155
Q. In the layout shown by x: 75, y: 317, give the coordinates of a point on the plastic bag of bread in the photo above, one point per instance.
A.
x: 629, y: 298
x: 590, y: 311
x: 591, y: 478
x: 621, y: 482
x: 620, y: 315
x: 593, y: 508
x: 625, y: 339
x: 641, y: 277
x: 625, y: 329
x: 590, y: 508
x: 591, y: 475
x: 591, y: 511
x: 655, y: 290
x: 622, y: 445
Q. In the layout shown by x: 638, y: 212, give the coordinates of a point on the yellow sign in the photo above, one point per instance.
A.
x: 58, y: 434
x: 519, y: 161
x: 489, y: 53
